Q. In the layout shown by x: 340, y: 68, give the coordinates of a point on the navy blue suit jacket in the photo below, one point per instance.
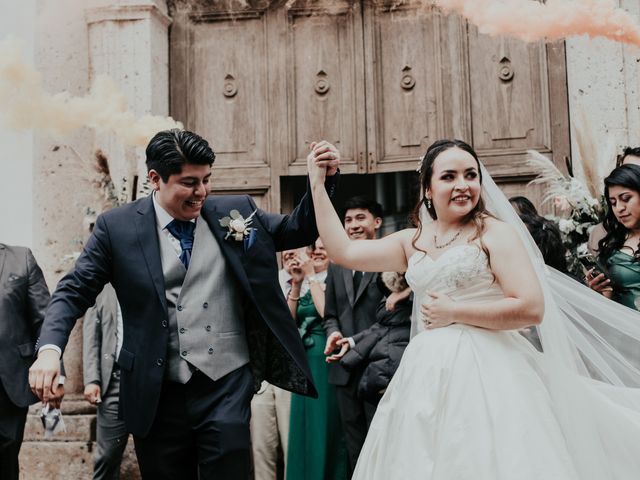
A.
x: 124, y: 251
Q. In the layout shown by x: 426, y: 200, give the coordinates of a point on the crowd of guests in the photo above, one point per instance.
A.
x: 354, y: 327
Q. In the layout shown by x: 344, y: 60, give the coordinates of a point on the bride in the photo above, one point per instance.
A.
x: 473, y: 399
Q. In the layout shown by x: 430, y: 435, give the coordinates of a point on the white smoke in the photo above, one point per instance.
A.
x: 24, y: 104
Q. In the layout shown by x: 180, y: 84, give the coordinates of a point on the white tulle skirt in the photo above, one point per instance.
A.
x: 473, y: 404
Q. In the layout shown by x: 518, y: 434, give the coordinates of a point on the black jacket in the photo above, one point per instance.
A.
x: 380, y: 348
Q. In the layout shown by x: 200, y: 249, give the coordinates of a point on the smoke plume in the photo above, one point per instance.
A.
x: 556, y: 19
x: 24, y: 104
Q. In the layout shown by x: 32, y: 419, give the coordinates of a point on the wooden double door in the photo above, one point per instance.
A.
x: 261, y: 80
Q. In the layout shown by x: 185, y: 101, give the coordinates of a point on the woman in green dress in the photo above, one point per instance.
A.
x: 317, y: 449
x: 619, y: 250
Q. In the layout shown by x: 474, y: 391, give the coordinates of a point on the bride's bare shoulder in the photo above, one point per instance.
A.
x: 498, y: 233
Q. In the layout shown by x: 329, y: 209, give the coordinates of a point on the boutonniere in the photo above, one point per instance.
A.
x: 238, y: 227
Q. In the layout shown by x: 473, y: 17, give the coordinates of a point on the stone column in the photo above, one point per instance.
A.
x: 76, y: 41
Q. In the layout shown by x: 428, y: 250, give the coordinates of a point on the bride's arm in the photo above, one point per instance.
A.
x: 382, y: 255
x: 523, y: 302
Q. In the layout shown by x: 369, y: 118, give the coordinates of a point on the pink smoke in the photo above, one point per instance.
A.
x: 24, y: 104
x: 531, y: 21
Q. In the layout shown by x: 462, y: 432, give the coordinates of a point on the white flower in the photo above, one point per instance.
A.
x: 566, y: 226
x: 238, y: 225
x: 582, y: 250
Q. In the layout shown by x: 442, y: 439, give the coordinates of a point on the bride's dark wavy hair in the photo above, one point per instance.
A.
x: 627, y: 176
x: 477, y: 215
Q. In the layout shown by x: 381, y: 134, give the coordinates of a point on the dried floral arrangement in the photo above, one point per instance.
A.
x: 578, y: 196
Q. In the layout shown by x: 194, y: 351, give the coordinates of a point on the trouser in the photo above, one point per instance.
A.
x: 201, y: 430
x: 270, y: 411
x: 12, y: 421
x: 111, y: 434
x: 356, y: 417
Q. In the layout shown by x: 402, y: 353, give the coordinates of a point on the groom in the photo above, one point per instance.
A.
x: 204, y: 318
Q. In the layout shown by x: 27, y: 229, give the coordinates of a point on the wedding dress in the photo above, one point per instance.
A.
x: 472, y: 404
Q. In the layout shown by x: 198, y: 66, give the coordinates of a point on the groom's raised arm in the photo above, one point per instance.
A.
x: 298, y: 228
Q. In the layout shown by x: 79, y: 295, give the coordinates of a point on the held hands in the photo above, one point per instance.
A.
x: 343, y: 343
x: 332, y: 345
x: 92, y: 393
x: 599, y: 283
x: 439, y: 312
x: 323, y: 161
x: 43, y: 377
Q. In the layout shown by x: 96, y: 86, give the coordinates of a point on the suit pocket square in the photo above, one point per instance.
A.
x: 250, y: 239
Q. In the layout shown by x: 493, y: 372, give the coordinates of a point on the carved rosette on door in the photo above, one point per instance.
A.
x: 505, y: 72
x: 230, y: 88
x: 322, y: 84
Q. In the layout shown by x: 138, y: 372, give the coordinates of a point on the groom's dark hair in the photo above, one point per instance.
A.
x: 169, y: 150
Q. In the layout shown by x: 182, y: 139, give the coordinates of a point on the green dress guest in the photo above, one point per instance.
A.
x: 624, y: 272
x: 619, y: 250
x: 317, y: 448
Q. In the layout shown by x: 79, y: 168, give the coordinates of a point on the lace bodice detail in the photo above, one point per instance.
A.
x: 462, y: 272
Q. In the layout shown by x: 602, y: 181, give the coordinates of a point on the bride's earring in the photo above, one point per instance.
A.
x: 428, y: 203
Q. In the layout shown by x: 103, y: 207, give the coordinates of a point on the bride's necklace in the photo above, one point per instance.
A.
x: 451, y: 240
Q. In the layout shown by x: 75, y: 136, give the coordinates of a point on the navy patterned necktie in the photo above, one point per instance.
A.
x: 183, y: 231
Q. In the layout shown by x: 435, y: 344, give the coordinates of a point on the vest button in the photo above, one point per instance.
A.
x: 210, y: 350
x: 208, y: 328
x: 182, y: 330
x: 184, y: 353
x: 164, y: 323
x: 179, y: 308
x: 160, y: 362
x: 205, y: 305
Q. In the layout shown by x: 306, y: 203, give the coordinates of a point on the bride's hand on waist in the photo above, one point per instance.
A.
x: 439, y: 312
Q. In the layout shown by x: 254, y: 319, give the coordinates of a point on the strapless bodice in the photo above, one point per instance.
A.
x: 462, y: 273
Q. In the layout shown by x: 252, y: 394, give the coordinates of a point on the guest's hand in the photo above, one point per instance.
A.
x: 395, y: 297
x: 56, y: 399
x: 332, y: 342
x: 599, y: 283
x: 306, y: 265
x: 43, y: 375
x: 92, y: 393
x: 439, y: 312
x: 295, y: 270
x: 343, y: 343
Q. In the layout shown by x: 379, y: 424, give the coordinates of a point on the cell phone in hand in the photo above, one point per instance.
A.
x: 589, y: 262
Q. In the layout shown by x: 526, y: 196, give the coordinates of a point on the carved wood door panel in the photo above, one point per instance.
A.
x: 381, y: 81
x: 219, y: 89
x: 416, y: 88
x: 431, y: 76
x: 323, y: 79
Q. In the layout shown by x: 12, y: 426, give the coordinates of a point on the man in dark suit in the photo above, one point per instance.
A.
x: 204, y: 318
x: 351, y: 302
x: 101, y: 342
x: 23, y: 299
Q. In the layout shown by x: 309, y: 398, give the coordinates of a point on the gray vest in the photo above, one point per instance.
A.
x: 206, y: 319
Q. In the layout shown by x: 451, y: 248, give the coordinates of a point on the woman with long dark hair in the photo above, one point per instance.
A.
x: 619, y: 250
x: 473, y: 399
